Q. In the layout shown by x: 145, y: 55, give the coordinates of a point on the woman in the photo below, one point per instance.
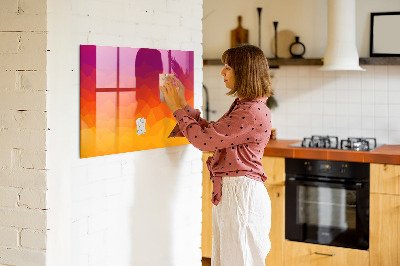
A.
x: 242, y: 211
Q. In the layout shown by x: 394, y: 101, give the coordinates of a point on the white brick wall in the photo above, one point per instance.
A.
x: 33, y: 239
x: 23, y: 16
x: 23, y: 178
x: 9, y: 237
x: 8, y: 197
x: 23, y: 132
x: 11, y: 256
x: 139, y: 208
x: 111, y: 210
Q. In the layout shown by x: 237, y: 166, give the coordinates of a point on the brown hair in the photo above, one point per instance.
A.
x: 250, y: 66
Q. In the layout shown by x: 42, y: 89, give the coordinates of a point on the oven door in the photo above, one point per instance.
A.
x: 327, y: 213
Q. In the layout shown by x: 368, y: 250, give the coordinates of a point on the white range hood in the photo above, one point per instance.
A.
x: 341, y: 51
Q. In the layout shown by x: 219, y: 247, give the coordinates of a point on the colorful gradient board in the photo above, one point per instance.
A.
x: 120, y: 102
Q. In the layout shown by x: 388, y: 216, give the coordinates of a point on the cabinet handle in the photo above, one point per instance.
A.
x: 324, y: 254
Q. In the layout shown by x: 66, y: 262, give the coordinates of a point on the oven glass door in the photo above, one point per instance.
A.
x: 326, y: 207
x: 326, y: 213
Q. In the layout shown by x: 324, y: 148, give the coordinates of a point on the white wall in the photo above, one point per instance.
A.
x: 311, y: 102
x: 306, y: 19
x: 343, y: 104
x: 220, y: 17
x: 140, y: 208
x: 23, y: 133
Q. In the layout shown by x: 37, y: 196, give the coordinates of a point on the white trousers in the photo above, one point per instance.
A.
x: 241, y: 223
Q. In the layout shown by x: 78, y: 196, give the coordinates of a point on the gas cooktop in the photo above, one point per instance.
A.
x: 332, y: 142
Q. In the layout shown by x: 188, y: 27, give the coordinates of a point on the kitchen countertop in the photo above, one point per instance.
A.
x: 389, y: 154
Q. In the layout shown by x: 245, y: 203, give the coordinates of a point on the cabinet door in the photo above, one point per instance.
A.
x: 304, y: 254
x: 206, y: 225
x: 274, y: 168
x: 385, y: 178
x: 277, y: 233
x: 384, y: 230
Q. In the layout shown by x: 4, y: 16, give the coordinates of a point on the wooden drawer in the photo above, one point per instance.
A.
x: 304, y: 254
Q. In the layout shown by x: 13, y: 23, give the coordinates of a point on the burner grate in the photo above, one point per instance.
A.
x: 358, y: 144
x: 327, y: 142
x: 332, y: 142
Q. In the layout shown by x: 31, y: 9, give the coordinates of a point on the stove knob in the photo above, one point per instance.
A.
x: 343, y: 168
x: 308, y: 166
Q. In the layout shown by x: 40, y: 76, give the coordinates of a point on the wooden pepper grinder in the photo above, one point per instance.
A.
x: 239, y: 35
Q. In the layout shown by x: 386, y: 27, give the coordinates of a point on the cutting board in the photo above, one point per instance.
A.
x: 239, y: 35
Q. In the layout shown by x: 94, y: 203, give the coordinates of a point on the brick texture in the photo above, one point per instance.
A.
x: 33, y: 239
x: 33, y: 199
x: 145, y: 193
x: 17, y: 256
x: 23, y: 218
x: 23, y: 125
x: 8, y: 197
x: 23, y: 178
x: 10, y: 42
x: 92, y: 200
x: 9, y: 237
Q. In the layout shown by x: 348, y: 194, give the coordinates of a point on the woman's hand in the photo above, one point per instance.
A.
x: 173, y: 94
x: 181, y: 91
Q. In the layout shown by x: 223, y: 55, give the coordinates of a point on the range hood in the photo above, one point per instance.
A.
x: 341, y: 51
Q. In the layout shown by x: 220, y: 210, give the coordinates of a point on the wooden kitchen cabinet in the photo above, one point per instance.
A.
x: 384, y: 236
x: 274, y: 168
x: 305, y: 254
x: 206, y: 225
x: 277, y: 233
x: 385, y: 215
x: 385, y: 178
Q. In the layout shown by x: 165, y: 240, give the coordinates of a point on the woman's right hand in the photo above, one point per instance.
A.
x: 181, y: 90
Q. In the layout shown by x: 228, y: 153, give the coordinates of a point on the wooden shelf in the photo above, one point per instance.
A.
x: 212, y: 62
x: 380, y: 61
x: 274, y: 63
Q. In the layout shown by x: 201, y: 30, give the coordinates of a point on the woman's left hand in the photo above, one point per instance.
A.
x: 171, y: 95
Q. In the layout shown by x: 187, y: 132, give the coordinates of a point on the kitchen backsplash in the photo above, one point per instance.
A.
x: 314, y: 102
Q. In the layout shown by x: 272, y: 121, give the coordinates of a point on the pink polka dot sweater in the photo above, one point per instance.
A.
x: 238, y: 139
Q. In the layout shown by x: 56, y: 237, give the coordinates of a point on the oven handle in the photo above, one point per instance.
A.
x: 324, y: 254
x: 357, y: 185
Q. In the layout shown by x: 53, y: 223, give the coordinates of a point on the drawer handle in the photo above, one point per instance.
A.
x: 324, y: 254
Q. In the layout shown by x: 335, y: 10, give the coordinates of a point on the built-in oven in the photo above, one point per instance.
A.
x: 327, y: 202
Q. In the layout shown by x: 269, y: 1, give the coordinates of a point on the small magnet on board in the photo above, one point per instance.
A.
x: 140, y: 126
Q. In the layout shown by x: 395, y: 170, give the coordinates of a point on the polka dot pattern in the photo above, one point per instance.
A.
x: 238, y: 139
